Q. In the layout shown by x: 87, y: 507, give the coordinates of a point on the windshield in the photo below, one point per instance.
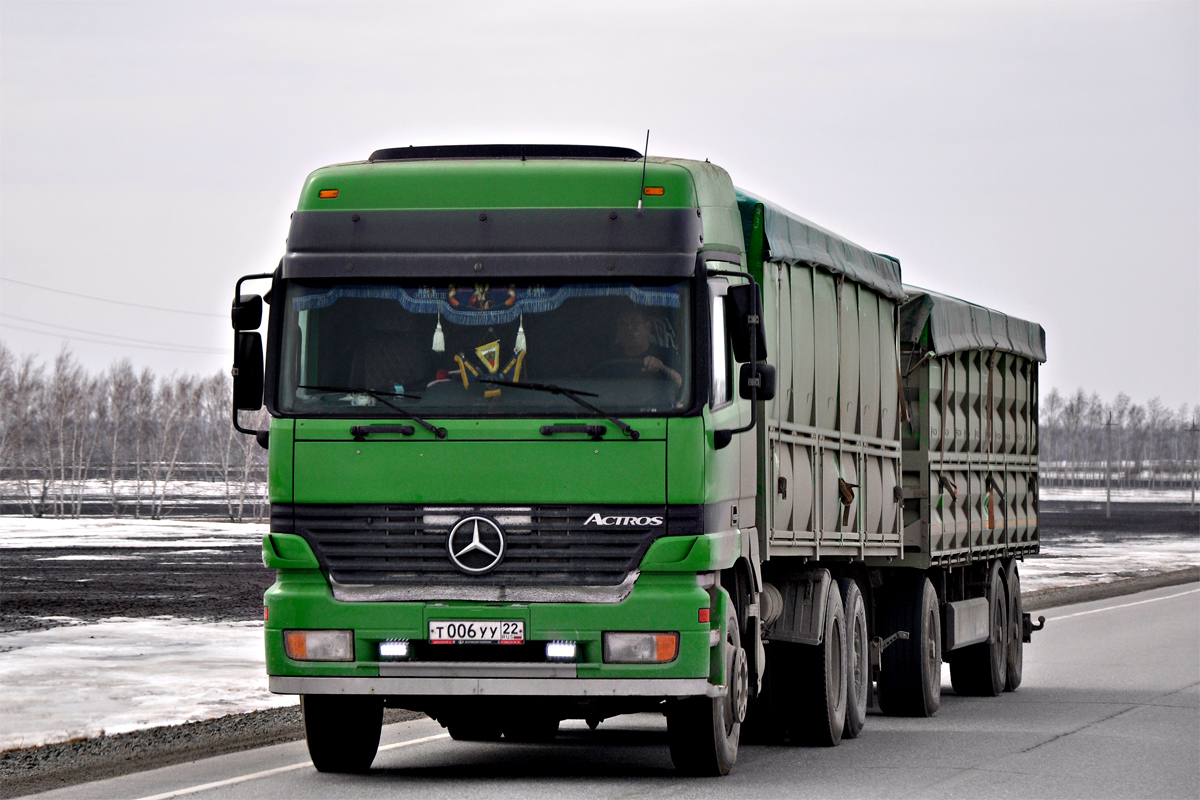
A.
x: 439, y: 350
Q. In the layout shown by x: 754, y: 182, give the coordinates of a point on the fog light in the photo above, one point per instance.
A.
x: 394, y: 650
x: 640, y: 648
x: 560, y: 651
x: 319, y: 645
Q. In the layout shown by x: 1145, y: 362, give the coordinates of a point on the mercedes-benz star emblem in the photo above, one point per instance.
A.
x: 476, y: 545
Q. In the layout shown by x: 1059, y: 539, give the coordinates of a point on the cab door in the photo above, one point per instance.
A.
x: 725, y: 507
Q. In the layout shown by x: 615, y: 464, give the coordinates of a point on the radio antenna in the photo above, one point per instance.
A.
x: 645, y: 153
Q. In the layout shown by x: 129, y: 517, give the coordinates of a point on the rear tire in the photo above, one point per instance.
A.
x: 1016, y: 636
x: 858, y: 671
x: 703, y: 732
x: 910, y: 678
x: 821, y: 692
x: 981, y: 670
x: 342, y: 731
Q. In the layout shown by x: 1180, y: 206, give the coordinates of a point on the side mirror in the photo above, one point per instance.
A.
x: 766, y: 381
x: 248, y: 370
x: 743, y: 314
x: 247, y: 312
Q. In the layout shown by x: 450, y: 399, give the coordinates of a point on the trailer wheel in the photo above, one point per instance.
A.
x: 822, y: 686
x: 342, y: 731
x: 910, y: 678
x: 1016, y: 637
x: 858, y: 671
x: 703, y: 732
x: 981, y: 670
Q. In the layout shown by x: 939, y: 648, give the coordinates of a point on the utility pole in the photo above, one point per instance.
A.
x: 1108, y: 467
x: 1195, y: 464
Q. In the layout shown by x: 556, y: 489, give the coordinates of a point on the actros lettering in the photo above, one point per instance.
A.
x: 596, y: 519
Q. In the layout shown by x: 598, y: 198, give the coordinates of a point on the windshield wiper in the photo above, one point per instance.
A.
x: 435, y: 430
x: 570, y: 394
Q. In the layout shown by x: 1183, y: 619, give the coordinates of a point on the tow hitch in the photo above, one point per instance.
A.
x: 1028, y: 627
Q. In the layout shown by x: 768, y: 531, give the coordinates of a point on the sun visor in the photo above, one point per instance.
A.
x: 455, y: 243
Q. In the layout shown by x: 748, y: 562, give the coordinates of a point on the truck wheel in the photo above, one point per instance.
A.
x: 858, y: 671
x: 473, y: 730
x: 1016, y: 643
x: 910, y: 677
x: 342, y: 731
x: 822, y: 689
x: 981, y: 670
x: 532, y: 729
x: 703, y: 732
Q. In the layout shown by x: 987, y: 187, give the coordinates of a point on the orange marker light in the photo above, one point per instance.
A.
x: 329, y: 194
x: 665, y: 646
x: 704, y: 615
x: 654, y: 191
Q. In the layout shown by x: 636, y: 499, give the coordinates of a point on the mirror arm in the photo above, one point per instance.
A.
x: 238, y: 427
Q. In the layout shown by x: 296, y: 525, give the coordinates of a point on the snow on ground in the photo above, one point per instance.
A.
x: 123, y: 674
x: 126, y: 490
x: 1078, y: 560
x: 1096, y: 495
x: 99, y: 532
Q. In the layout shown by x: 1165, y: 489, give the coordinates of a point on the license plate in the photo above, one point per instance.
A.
x: 477, y: 632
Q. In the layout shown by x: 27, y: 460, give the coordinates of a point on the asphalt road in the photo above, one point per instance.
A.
x: 1110, y: 707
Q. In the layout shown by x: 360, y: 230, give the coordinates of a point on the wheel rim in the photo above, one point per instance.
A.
x: 860, y: 636
x: 835, y: 672
x: 1000, y: 636
x: 933, y: 653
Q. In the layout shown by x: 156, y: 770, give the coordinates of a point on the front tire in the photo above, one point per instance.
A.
x: 342, y: 731
x: 703, y: 732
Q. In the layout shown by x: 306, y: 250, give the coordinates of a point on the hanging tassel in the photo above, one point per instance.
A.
x: 439, y: 338
x: 519, y: 347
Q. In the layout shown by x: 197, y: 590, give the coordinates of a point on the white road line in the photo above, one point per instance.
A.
x: 268, y: 772
x: 1123, y: 605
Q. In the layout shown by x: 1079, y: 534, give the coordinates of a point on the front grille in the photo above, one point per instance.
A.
x: 546, y: 545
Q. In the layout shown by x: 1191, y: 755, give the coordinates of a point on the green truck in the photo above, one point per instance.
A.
x: 562, y: 432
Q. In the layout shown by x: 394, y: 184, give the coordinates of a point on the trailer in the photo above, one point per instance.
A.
x: 568, y: 432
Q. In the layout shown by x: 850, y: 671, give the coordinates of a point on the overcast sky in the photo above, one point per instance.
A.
x: 1040, y: 158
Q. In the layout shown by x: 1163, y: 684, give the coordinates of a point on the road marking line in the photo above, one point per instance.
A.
x: 1123, y: 605
x: 277, y: 770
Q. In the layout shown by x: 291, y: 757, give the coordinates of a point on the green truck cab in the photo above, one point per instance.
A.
x: 567, y: 432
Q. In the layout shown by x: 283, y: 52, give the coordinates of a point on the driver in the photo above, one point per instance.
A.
x: 633, y: 342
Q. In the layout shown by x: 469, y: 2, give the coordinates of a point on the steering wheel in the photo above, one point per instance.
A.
x: 617, y: 367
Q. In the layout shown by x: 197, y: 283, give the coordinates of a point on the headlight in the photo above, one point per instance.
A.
x: 640, y: 648
x: 319, y: 645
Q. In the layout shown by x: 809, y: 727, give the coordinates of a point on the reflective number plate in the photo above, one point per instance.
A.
x: 477, y: 632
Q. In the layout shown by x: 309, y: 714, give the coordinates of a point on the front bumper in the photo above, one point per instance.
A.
x: 499, y: 687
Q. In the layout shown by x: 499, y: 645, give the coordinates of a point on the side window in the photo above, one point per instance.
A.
x: 722, y: 365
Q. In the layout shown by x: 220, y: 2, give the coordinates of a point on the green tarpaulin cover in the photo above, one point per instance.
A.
x: 793, y: 239
x: 956, y: 325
